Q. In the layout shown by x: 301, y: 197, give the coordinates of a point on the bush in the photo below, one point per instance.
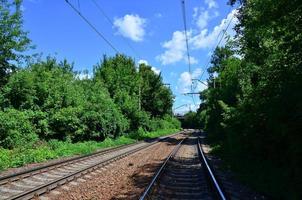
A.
x: 16, y: 129
x: 65, y: 123
x: 54, y: 149
x: 167, y: 122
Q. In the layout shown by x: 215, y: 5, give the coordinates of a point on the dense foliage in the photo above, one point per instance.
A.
x: 13, y: 40
x: 253, y: 108
x: 47, y: 100
x: 140, y: 94
x: 191, y: 120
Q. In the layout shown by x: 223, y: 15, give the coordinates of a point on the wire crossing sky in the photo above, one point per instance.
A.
x: 149, y: 31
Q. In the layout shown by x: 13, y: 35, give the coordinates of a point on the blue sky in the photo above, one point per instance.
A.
x: 153, y: 28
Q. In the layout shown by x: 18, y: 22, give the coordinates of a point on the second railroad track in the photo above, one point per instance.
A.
x: 36, y: 181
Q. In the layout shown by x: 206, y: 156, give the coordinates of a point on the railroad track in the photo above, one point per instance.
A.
x: 34, y: 182
x: 185, y: 174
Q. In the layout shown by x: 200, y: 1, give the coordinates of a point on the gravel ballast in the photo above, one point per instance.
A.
x: 123, y: 179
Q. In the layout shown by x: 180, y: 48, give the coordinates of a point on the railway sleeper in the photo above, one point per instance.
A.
x: 171, y: 194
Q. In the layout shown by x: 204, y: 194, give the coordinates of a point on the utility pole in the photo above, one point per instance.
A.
x: 139, y: 96
x: 139, y: 89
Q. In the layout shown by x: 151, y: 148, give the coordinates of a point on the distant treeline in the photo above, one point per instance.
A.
x: 253, y: 109
x: 47, y: 100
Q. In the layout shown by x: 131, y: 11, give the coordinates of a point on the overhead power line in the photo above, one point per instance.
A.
x: 187, y: 43
x: 112, y: 23
x: 92, y: 26
x: 186, y: 35
x: 223, y: 31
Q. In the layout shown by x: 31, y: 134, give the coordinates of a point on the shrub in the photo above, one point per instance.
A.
x: 16, y: 129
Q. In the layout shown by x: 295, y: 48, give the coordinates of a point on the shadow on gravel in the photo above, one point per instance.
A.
x: 140, y: 180
x: 143, y: 176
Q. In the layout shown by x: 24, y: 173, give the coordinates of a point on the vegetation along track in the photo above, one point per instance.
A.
x: 36, y: 181
x: 185, y: 174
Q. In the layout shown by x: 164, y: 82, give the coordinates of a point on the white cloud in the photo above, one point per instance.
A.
x: 131, y: 26
x: 196, y: 73
x: 185, y: 80
x: 143, y: 62
x: 202, y: 19
x: 175, y: 50
x: 211, y: 3
x: 207, y: 39
x: 201, y: 86
x: 201, y: 16
x: 156, y: 71
x: 83, y: 76
x: 192, y: 60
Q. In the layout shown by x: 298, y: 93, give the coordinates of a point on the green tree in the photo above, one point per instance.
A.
x: 255, y: 106
x: 13, y: 40
x: 61, y: 106
x: 120, y: 77
x: 156, y: 98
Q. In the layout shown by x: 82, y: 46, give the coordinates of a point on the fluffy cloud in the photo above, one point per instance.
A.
x: 156, y: 71
x: 192, y: 60
x: 207, y: 39
x: 202, y: 38
x: 185, y: 81
x: 143, y: 62
x: 84, y: 76
x: 201, y: 17
x: 131, y: 26
x: 175, y: 49
x: 211, y: 3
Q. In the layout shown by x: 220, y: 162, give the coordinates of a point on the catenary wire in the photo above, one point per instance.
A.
x: 102, y: 12
x: 92, y: 26
x: 223, y: 33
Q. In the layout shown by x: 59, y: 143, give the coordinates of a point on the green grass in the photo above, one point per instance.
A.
x: 43, y: 151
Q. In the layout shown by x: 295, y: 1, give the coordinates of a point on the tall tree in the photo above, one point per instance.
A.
x: 13, y: 40
x: 157, y: 99
x: 120, y: 77
x: 256, y: 104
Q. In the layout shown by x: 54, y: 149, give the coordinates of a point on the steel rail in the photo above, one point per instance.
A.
x: 214, y: 181
x: 60, y: 181
x: 148, y: 189
x: 37, y: 170
x: 216, y: 187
